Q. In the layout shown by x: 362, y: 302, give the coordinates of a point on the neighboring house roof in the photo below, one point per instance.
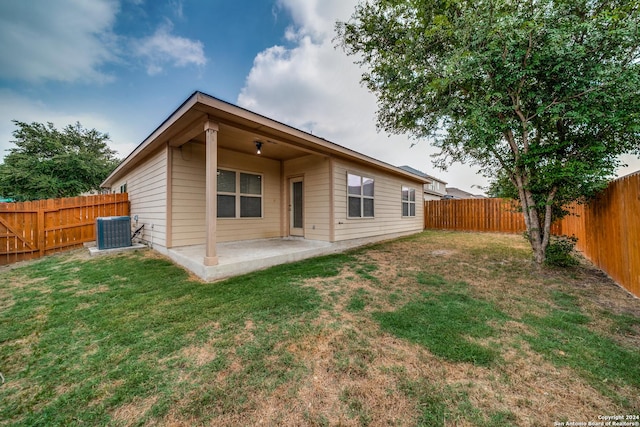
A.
x: 436, y: 186
x: 422, y: 174
x: 456, y: 193
x: 188, y: 120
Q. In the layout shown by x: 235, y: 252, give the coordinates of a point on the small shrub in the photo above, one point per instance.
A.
x: 559, y: 252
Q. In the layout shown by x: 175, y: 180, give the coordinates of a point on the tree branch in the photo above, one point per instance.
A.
x: 508, y: 134
x: 556, y: 101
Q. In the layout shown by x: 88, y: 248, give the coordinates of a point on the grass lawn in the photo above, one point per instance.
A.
x: 441, y: 328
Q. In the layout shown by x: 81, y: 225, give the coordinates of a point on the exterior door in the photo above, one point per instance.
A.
x: 296, y: 207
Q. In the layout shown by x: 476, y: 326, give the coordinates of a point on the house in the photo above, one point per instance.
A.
x: 434, y: 190
x: 456, y: 193
x: 214, y: 173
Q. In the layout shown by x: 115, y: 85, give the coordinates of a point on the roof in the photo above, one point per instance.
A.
x: 187, y: 123
x: 456, y: 193
x: 421, y: 174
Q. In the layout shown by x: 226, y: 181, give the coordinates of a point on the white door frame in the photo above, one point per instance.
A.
x: 296, y: 222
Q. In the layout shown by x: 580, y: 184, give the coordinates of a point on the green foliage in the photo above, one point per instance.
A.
x: 444, y: 323
x: 559, y: 252
x: 358, y: 301
x: 624, y: 324
x: 49, y: 163
x: 544, y: 94
x: 104, y: 332
x: 501, y: 187
x: 563, y: 337
x: 431, y: 401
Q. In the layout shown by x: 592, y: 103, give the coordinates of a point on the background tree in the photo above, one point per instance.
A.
x: 48, y: 163
x: 545, y: 92
x: 500, y: 186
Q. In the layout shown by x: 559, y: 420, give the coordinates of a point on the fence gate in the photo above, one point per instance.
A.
x: 18, y: 230
x: 32, y: 229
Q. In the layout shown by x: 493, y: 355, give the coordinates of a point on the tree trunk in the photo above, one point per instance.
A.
x: 538, y: 232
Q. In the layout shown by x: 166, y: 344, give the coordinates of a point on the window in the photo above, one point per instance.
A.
x: 360, y: 196
x: 239, y: 192
x: 434, y: 186
x: 123, y: 188
x: 408, y: 201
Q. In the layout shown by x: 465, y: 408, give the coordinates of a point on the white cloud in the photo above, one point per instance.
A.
x: 26, y: 109
x: 66, y: 40
x: 73, y: 41
x: 178, y: 9
x: 315, y: 87
x: 317, y: 18
x: 163, y: 47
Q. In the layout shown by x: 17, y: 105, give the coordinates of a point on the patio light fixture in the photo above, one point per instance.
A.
x: 258, y: 147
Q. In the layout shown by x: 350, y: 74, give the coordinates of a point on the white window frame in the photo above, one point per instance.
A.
x: 238, y: 195
x: 408, y: 202
x: 361, y: 196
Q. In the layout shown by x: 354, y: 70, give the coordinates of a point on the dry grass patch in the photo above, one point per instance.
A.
x: 130, y: 413
x: 199, y: 355
x: 92, y: 291
x: 524, y: 384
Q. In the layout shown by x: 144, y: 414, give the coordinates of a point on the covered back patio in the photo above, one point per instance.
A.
x: 241, y: 257
x: 224, y: 191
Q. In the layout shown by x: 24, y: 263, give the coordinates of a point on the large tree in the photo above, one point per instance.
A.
x: 49, y: 163
x: 543, y: 92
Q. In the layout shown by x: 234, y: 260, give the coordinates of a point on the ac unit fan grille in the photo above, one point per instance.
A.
x: 113, y: 232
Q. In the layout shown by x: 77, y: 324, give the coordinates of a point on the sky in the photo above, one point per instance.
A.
x: 123, y: 66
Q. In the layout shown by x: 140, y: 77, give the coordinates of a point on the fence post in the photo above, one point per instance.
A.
x: 40, y: 230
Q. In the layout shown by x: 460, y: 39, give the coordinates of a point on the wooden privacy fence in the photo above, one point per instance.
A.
x: 489, y: 215
x: 497, y: 215
x: 608, y: 231
x: 33, y: 229
x: 608, y: 228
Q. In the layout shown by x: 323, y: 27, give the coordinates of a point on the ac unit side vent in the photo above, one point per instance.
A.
x: 113, y: 232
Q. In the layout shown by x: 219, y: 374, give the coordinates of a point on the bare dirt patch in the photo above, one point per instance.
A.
x: 80, y: 254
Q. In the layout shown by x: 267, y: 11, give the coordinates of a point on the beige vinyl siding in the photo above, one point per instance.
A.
x: 316, y: 199
x: 387, y: 204
x: 146, y: 186
x: 189, y: 195
x: 188, y: 186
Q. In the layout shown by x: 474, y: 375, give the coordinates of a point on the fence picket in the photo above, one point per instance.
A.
x: 34, y: 229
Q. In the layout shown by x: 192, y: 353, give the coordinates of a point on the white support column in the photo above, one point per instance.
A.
x: 211, y: 132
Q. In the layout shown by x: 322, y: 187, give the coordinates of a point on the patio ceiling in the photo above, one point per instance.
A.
x: 238, y: 134
x: 243, y: 141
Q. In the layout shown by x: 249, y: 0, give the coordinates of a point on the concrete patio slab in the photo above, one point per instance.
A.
x: 236, y: 258
x: 94, y: 251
